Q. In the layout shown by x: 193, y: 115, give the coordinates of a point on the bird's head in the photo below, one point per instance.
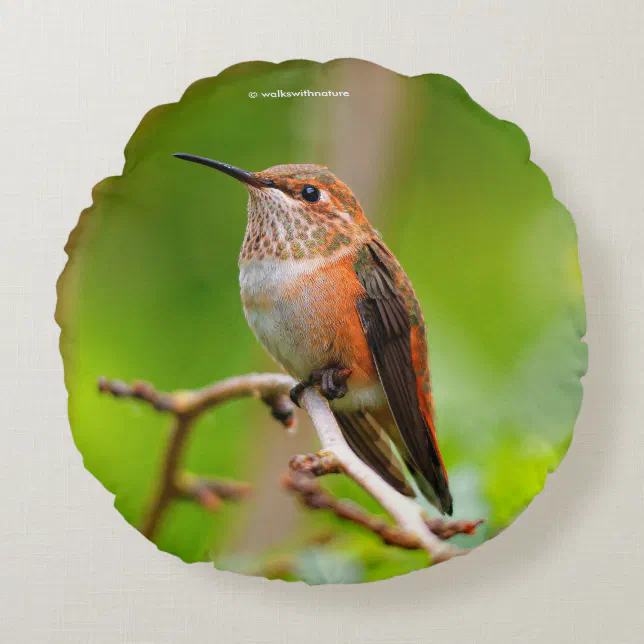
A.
x: 302, y: 210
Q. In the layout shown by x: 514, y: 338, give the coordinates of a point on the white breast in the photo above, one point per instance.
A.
x: 276, y: 321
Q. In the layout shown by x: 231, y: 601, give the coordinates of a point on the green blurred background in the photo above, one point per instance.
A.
x: 151, y: 292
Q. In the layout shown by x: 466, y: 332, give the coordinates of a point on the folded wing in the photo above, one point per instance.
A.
x: 388, y: 318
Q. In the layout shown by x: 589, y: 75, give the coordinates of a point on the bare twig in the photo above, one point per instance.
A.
x: 301, y: 480
x: 210, y: 492
x: 447, y: 529
x: 168, y: 488
x: 314, y: 497
x: 187, y: 407
x: 273, y: 388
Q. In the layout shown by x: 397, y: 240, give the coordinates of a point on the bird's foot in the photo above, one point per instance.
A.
x: 332, y: 383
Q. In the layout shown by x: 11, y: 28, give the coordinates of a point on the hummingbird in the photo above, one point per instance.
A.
x: 331, y: 304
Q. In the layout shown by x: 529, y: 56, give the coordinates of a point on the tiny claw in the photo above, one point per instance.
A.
x: 340, y: 377
x: 342, y: 391
x: 334, y: 382
x: 296, y: 392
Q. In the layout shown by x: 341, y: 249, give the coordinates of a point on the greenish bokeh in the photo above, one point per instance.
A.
x: 151, y: 292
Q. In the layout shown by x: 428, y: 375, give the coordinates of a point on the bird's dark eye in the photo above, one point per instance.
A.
x: 310, y: 193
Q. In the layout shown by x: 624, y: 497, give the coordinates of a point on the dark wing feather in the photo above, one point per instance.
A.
x: 370, y: 442
x: 387, y: 325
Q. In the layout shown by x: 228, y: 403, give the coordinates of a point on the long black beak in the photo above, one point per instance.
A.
x: 241, y: 175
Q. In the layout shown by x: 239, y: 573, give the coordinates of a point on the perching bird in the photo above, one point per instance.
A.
x: 330, y: 303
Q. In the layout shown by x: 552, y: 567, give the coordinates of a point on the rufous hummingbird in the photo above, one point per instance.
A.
x: 330, y: 303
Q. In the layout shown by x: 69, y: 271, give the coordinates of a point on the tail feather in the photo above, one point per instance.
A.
x: 371, y: 443
x: 434, y: 489
x: 444, y: 503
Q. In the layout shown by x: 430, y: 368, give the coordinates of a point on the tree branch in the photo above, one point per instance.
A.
x: 412, y: 529
x: 408, y: 515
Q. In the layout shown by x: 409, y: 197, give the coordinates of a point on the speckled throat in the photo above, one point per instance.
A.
x: 279, y: 228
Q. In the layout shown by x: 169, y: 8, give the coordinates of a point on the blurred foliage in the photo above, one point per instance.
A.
x: 151, y: 292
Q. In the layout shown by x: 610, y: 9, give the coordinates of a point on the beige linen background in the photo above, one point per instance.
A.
x: 76, y: 78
